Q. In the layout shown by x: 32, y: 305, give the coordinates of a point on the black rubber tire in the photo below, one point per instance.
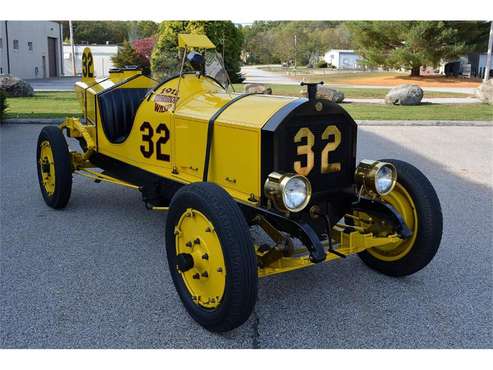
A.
x: 430, y: 224
x: 239, y: 255
x: 63, y: 167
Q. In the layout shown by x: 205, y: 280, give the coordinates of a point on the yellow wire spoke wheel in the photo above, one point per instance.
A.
x: 47, y: 167
x: 54, y: 167
x: 206, y: 278
x: 400, y: 199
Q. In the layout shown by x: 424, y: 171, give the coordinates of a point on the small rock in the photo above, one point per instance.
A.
x: 404, y: 95
x: 258, y: 89
x: 326, y: 93
x: 13, y: 86
x: 485, y: 92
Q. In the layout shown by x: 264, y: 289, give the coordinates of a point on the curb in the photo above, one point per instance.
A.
x: 425, y: 123
x: 33, y: 121
x: 57, y: 121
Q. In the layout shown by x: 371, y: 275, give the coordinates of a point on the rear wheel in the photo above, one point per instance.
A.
x: 211, y: 256
x: 54, y: 167
x: 417, y: 202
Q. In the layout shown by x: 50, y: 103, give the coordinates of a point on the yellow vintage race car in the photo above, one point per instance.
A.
x: 221, y: 163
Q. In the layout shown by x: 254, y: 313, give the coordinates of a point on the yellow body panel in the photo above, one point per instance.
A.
x: 235, y: 152
x: 194, y: 41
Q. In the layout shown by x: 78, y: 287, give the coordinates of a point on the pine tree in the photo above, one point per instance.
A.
x: 406, y: 44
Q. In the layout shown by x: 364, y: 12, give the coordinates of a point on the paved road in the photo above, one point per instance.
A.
x: 95, y: 275
x: 253, y: 74
x: 54, y: 84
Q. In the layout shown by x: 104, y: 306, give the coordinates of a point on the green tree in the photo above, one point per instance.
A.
x: 165, y: 58
x: 258, y: 41
x: 406, y: 44
x: 142, y: 29
x: 273, y: 42
x: 97, y: 32
x: 474, y: 34
x: 127, y: 56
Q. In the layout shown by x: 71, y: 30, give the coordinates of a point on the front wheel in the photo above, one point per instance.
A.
x: 211, y: 256
x: 417, y: 202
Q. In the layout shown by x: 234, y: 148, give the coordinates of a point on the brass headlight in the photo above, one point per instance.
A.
x: 375, y: 178
x: 288, y: 192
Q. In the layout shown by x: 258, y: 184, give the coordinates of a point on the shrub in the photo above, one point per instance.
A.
x: 128, y: 56
x: 144, y: 47
x: 322, y: 64
x: 3, y: 104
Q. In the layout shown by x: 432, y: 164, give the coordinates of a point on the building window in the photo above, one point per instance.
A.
x: 30, y: 45
x: 16, y: 44
x: 1, y: 43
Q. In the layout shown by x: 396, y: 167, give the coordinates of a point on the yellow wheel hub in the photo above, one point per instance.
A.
x: 400, y: 199
x: 47, y: 166
x: 205, y: 280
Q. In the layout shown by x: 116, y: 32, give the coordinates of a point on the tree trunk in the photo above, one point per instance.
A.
x: 415, y: 71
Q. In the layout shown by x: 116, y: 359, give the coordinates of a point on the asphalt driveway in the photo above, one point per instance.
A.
x: 95, y: 274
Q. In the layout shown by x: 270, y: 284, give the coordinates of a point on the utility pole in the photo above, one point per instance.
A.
x: 295, y: 52
x: 488, y: 58
x: 72, y: 47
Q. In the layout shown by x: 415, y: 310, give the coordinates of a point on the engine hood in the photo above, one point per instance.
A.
x: 201, y: 98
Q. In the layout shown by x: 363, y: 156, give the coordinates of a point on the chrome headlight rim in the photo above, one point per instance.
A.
x: 275, y: 186
x: 393, y: 170
x: 366, y: 177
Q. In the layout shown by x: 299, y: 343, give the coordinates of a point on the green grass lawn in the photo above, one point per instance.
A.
x: 63, y: 104
x: 351, y: 93
x: 44, y: 105
x: 446, y: 112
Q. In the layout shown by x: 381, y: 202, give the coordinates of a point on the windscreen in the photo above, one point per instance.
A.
x: 214, y: 67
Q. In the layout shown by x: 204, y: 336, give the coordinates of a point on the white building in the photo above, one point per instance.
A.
x: 31, y: 49
x: 101, y: 54
x: 343, y: 59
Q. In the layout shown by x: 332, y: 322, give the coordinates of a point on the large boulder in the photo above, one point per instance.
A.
x: 13, y: 86
x: 258, y: 89
x: 404, y: 95
x: 324, y: 92
x: 485, y: 92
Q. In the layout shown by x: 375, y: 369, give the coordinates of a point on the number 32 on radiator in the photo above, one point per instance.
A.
x: 331, y: 133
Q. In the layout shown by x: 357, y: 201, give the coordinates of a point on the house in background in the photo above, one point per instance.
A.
x: 101, y: 54
x: 343, y: 59
x: 471, y: 65
x: 31, y: 49
x: 477, y: 62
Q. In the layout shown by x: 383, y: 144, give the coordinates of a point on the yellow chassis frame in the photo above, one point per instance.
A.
x: 346, y: 243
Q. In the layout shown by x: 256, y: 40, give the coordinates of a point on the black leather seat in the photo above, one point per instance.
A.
x: 118, y: 108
